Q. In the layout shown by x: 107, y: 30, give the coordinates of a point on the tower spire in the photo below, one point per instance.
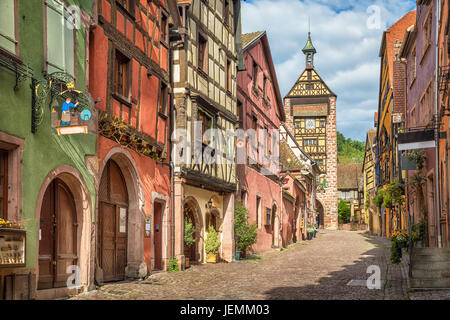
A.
x: 309, y: 50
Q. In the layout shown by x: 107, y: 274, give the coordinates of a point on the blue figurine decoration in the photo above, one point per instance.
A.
x: 65, y: 116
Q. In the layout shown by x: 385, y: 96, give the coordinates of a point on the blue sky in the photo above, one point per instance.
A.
x: 347, y: 48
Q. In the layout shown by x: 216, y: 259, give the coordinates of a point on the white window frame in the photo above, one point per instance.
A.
x: 50, y: 5
x: 8, y: 37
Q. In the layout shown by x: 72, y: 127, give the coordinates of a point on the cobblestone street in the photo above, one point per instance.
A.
x: 318, y: 269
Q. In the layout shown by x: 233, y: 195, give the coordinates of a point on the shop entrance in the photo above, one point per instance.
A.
x: 113, y: 223
x: 57, y: 236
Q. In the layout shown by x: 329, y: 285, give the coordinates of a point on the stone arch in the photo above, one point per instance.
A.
x: 83, y: 207
x: 136, y: 266
x: 321, y: 210
x: 199, y: 234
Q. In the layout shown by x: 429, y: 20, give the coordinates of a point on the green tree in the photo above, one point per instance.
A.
x: 344, y: 211
x: 246, y: 234
x: 350, y: 151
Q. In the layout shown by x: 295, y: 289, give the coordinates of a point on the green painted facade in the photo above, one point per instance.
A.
x: 44, y: 150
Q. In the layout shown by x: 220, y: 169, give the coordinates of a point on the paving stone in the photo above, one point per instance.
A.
x: 313, y: 270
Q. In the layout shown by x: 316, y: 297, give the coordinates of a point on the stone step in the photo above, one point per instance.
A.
x: 430, y: 258
x: 430, y: 283
x: 430, y: 274
x: 431, y: 251
x: 417, y: 264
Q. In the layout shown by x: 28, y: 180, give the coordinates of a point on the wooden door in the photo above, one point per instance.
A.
x: 113, y: 223
x: 57, y: 236
x: 157, y: 236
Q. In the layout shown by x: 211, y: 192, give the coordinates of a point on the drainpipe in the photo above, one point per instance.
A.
x: 436, y: 126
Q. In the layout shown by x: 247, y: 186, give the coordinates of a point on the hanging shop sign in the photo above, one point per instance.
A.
x: 416, y: 140
x: 71, y: 109
x: 397, y: 118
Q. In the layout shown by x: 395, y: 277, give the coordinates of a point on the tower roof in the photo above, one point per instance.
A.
x: 309, y: 47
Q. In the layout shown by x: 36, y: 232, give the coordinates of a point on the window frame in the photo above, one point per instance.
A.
x: 163, y: 98
x: 226, y: 12
x: 131, y: 10
x: 228, y: 74
x: 254, y: 74
x: 46, y: 56
x: 4, y: 156
x: 16, y: 33
x: 202, y: 54
x: 164, y: 35
x: 125, y: 94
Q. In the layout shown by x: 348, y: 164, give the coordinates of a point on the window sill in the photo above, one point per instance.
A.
x: 425, y: 54
x: 10, y: 56
x: 122, y: 99
x: 125, y: 11
x: 202, y: 73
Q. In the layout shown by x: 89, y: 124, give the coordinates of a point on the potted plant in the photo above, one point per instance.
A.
x: 419, y: 233
x: 399, y: 240
x: 310, y: 232
x: 245, y: 233
x: 189, y: 239
x: 212, y: 245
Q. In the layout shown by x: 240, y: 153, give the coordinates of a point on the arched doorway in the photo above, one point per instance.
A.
x: 192, y: 214
x: 189, y: 217
x: 320, y: 218
x: 113, y: 223
x: 57, y: 236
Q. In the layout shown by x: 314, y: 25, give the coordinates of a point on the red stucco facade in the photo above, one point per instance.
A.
x: 130, y: 82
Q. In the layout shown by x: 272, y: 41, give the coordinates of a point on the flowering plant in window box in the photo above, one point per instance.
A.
x: 11, y: 224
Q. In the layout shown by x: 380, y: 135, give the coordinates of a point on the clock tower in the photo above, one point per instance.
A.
x: 310, y: 108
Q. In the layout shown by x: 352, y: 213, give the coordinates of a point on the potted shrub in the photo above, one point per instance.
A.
x: 189, y: 239
x: 399, y: 241
x: 310, y: 232
x: 419, y: 233
x: 245, y: 234
x: 212, y: 245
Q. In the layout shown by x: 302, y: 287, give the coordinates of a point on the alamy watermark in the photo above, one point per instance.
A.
x: 222, y: 147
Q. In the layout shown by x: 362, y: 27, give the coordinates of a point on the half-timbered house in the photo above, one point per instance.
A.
x: 204, y: 64
x: 129, y: 80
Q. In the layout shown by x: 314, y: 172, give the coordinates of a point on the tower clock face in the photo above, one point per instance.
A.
x: 310, y: 124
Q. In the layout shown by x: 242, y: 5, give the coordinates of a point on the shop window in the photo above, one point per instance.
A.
x: 8, y: 25
x: 60, y: 39
x: 163, y: 99
x: 3, y: 184
x: 122, y: 75
x: 202, y: 53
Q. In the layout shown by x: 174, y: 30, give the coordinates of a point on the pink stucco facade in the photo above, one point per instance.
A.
x: 261, y: 107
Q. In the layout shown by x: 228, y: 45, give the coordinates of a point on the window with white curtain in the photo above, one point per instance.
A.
x: 60, y: 39
x: 8, y: 25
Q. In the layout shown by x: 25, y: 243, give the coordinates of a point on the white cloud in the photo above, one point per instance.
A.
x: 347, y: 57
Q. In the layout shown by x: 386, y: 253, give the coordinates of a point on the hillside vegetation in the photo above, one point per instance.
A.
x: 349, y: 151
